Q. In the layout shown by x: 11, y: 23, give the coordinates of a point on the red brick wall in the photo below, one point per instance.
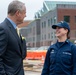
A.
x: 68, y: 12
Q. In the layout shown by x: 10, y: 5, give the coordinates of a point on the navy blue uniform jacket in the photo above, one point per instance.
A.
x: 60, y: 59
x: 12, y: 50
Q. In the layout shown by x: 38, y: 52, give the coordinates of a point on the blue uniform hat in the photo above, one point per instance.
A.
x: 62, y: 24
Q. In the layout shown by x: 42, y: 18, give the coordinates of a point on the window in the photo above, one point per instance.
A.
x: 75, y: 33
x: 42, y: 37
x: 67, y: 18
x: 33, y: 30
x: 48, y: 35
x: 33, y: 38
x: 45, y: 36
x: 75, y: 19
x: 54, y: 20
x: 51, y: 37
x: 51, y: 21
x: 44, y: 24
x: 48, y: 22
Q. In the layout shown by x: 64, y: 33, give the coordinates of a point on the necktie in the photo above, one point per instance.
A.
x: 17, y: 29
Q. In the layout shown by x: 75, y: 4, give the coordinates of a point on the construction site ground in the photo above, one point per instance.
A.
x: 32, y: 73
x: 33, y: 67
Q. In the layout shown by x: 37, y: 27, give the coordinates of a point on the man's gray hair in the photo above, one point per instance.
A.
x: 14, y: 6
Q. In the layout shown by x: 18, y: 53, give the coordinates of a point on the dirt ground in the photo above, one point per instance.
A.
x: 32, y: 73
x: 33, y: 67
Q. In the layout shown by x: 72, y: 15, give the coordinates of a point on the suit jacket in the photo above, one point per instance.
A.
x: 12, y: 50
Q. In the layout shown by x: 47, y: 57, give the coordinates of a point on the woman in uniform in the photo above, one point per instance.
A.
x: 61, y: 56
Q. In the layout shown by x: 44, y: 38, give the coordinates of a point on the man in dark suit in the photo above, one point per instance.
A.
x: 12, y: 47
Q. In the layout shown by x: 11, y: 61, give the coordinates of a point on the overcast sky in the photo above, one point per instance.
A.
x: 32, y: 6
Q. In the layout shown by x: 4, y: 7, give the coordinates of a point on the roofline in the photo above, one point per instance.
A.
x: 46, y: 5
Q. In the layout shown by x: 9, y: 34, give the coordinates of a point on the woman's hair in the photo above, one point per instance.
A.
x: 68, y: 34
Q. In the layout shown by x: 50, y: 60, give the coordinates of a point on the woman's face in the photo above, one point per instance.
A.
x: 61, y: 32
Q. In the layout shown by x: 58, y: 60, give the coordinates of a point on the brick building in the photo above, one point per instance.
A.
x: 39, y: 31
x: 68, y: 13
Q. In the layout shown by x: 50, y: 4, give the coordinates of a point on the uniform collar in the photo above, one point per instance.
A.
x: 66, y: 41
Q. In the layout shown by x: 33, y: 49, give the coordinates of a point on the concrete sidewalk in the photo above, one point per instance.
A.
x: 33, y: 65
x: 32, y: 73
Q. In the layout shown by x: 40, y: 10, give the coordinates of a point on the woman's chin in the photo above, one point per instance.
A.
x: 57, y: 35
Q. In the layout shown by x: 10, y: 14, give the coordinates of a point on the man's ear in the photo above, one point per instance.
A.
x: 17, y: 13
